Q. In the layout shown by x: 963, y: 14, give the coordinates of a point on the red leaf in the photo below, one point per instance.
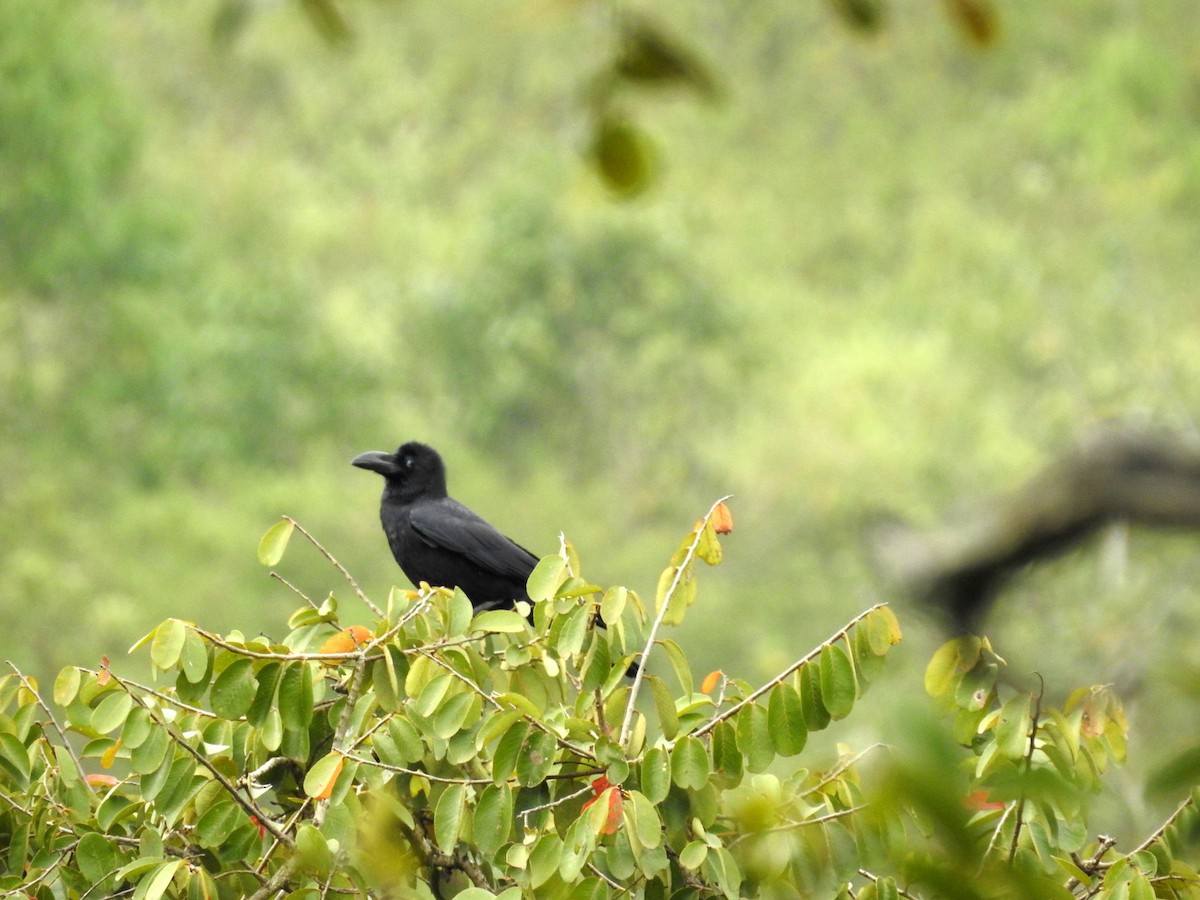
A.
x: 96, y: 779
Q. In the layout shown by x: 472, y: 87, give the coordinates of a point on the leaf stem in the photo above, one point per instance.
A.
x: 809, y: 657
x: 631, y: 705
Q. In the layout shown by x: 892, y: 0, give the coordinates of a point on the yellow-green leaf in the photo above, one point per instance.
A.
x: 274, y: 542
x: 168, y: 643
x: 501, y: 621
x: 544, y: 580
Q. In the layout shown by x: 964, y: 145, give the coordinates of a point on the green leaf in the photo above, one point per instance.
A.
x: 949, y: 661
x: 432, y: 695
x: 312, y: 851
x: 323, y: 771
x: 808, y: 681
x: 1013, y: 727
x: 544, y: 859
x: 168, y: 643
x: 157, y: 882
x: 643, y: 820
x: 148, y: 756
x: 457, y: 713
x: 111, y: 712
x: 448, y: 816
x: 537, y: 758
x: 676, y: 588
x: 664, y: 703
x: 403, y: 742
x: 508, y: 750
x: 785, y: 719
x: 679, y: 664
x: 883, y: 630
x: 613, y: 604
x: 754, y: 738
x: 727, y: 759
x: 460, y: 612
x: 217, y: 823
x: 14, y: 759
x: 493, y: 818
x: 194, y: 656
x: 296, y: 696
x: 709, y: 548
x: 233, y: 691
x: 568, y: 641
x: 544, y: 580
x: 623, y: 156
x: 500, y: 621
x: 66, y: 685
x: 264, y: 694
x: 838, y: 688
x: 692, y: 856
x: 690, y: 766
x: 274, y: 542
x: 138, y: 726
x: 97, y: 857
x: 656, y: 774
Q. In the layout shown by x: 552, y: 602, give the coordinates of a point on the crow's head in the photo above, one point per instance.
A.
x: 412, y: 472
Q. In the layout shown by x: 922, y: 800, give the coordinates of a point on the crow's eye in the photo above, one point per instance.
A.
x: 409, y: 462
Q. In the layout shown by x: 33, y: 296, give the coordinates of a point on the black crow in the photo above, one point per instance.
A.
x: 436, y: 539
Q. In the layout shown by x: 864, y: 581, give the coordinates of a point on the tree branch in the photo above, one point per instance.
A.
x: 1117, y: 474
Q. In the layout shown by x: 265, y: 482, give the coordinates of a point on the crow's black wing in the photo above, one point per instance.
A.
x: 448, y: 524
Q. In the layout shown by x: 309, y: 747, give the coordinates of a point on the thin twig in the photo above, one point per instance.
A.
x: 534, y: 721
x: 1162, y: 829
x: 46, y: 709
x: 247, y: 804
x: 303, y: 596
x: 1033, y: 727
x: 165, y: 698
x: 526, y: 813
x: 899, y: 890
x: 631, y: 704
x: 842, y: 765
x: 337, y: 565
x: 733, y: 710
x: 1093, y: 865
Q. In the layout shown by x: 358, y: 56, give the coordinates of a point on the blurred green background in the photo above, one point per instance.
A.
x: 886, y: 273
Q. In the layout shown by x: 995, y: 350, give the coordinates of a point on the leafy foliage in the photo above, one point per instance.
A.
x: 440, y: 752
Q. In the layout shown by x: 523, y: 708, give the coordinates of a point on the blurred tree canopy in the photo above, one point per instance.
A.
x: 887, y: 272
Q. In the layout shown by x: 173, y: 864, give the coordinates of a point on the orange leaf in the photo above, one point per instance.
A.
x: 347, y: 640
x: 105, y: 676
x: 96, y: 779
x: 979, y: 800
x: 710, y: 681
x: 615, y: 802
x: 327, y: 792
x: 106, y: 760
x: 722, y: 519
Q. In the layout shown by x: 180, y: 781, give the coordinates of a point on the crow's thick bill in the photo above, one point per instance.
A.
x: 436, y: 539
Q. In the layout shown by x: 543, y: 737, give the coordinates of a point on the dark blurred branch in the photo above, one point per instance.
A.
x: 1120, y: 474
